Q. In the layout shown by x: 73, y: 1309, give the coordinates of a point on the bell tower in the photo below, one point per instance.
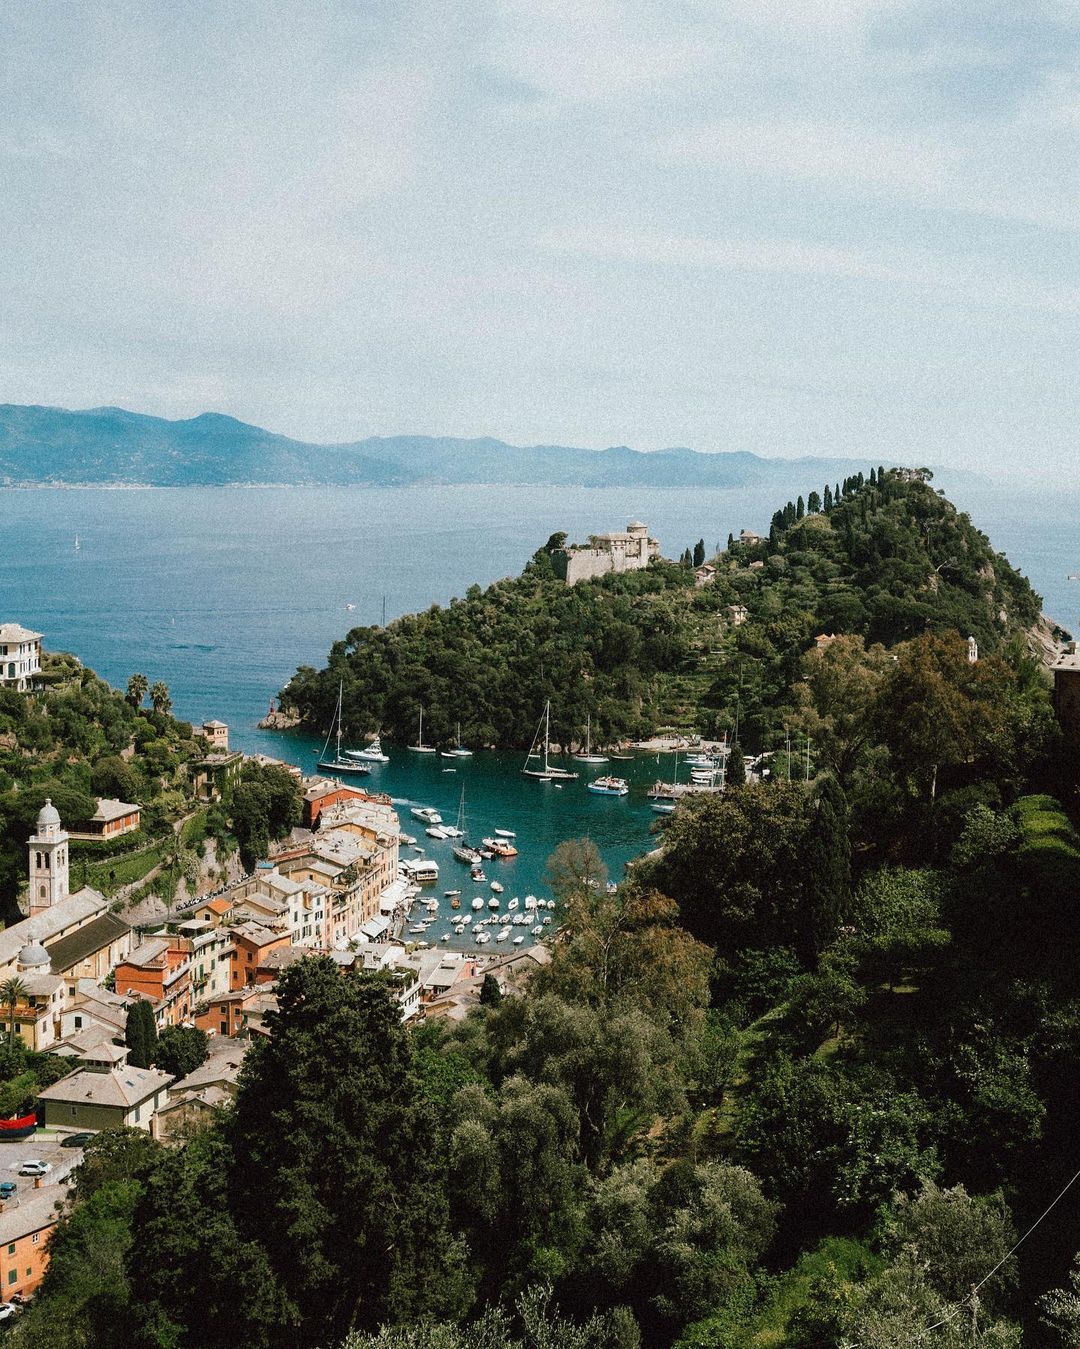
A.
x: 48, y: 860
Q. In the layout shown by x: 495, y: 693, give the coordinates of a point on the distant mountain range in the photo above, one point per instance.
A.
x: 42, y: 445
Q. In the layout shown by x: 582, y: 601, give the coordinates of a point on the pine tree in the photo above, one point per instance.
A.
x: 800, y: 509
x: 736, y: 767
x: 699, y: 552
x: 140, y: 1034
x: 873, y: 478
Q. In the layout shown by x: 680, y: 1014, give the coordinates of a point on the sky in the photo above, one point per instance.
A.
x: 785, y: 226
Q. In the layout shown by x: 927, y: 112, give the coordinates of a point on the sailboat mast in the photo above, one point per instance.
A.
x: 547, y: 731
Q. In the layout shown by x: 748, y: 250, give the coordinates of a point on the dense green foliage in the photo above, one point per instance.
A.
x: 887, y: 560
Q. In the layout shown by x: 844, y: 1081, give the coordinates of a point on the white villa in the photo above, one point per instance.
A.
x: 20, y: 656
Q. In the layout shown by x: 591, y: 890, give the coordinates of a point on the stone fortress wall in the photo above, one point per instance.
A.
x: 628, y: 550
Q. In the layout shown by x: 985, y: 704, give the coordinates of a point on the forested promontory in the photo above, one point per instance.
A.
x: 878, y: 559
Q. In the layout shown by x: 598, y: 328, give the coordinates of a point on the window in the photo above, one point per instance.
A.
x: 78, y: 1023
x: 13, y: 1274
x: 74, y: 1109
x: 11, y: 1249
x: 35, y: 1237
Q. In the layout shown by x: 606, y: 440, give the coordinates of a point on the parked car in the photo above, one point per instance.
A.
x: 76, y: 1140
x: 8, y: 1188
x: 7, y: 1311
x: 34, y: 1167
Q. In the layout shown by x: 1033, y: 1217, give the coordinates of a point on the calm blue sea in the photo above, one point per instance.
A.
x: 223, y: 592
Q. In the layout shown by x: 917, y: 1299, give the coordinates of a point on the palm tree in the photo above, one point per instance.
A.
x: 159, y: 696
x: 12, y: 992
x: 136, y: 689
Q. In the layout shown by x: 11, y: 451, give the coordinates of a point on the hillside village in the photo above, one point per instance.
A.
x: 74, y: 968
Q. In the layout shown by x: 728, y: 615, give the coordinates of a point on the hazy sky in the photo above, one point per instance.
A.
x: 786, y: 226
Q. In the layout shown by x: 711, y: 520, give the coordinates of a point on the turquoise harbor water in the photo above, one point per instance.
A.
x: 222, y: 592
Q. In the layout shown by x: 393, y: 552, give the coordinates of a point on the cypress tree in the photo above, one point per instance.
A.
x: 828, y: 867
x: 873, y: 478
x: 774, y: 538
x: 736, y: 768
x: 730, y: 542
x: 699, y: 552
x: 828, y: 497
x: 140, y: 1034
x: 800, y: 509
x: 813, y: 503
x: 778, y: 521
x: 837, y: 494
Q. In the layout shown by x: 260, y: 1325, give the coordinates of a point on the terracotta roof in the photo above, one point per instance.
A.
x: 66, y: 952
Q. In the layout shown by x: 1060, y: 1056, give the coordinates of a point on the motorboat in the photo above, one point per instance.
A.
x: 589, y: 756
x: 497, y: 887
x: 537, y: 930
x: 427, y: 814
x: 373, y: 753
x: 455, y: 903
x: 420, y: 747
x: 518, y: 941
x: 545, y: 773
x: 493, y: 902
x: 664, y: 807
x: 500, y: 847
x: 514, y: 903
x: 339, y: 764
x: 449, y: 894
x: 477, y: 875
x: 502, y: 934
x: 478, y: 903
x: 530, y: 901
x: 463, y: 853
x: 609, y: 786
x: 436, y: 831
x: 504, y: 833
x: 547, y: 920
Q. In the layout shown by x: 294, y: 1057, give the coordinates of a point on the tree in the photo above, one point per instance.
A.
x: 345, y: 1191
x: 180, y: 1050
x: 115, y: 777
x: 730, y: 542
x: 736, y: 766
x: 159, y: 698
x: 827, y: 860
x: 1059, y: 1311
x: 800, y: 509
x: 141, y: 1034
x: 575, y: 868
x: 13, y: 991
x: 491, y: 993
x: 813, y: 504
x: 699, y: 552
x: 137, y: 687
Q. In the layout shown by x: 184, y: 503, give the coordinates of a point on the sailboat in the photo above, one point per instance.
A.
x: 420, y: 747
x: 546, y: 773
x: 338, y: 764
x: 78, y: 545
x: 589, y: 756
x: 460, y: 751
x: 458, y: 830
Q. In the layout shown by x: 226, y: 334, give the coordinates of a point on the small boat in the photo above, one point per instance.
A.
x: 447, y: 754
x: 664, y: 807
x: 547, y: 920
x: 445, y: 936
x: 589, y: 756
x: 537, y: 930
x: 518, y: 941
x: 477, y: 875
x: 465, y: 854
x: 436, y: 831
x: 373, y: 753
x: 418, y: 928
x: 406, y: 838
x: 481, y: 938
x: 459, y: 751
x: 455, y: 903
x: 513, y: 903
x: 546, y: 773
x: 609, y: 786
x: 432, y: 906
x: 420, y: 747
x: 449, y: 770
x: 622, y: 758
x: 497, y: 888
x: 338, y: 764
x: 502, y: 934
x: 493, y: 902
x: 504, y: 833
x: 427, y: 814
x: 449, y: 894
x: 452, y: 831
x: 500, y: 847
x: 478, y: 903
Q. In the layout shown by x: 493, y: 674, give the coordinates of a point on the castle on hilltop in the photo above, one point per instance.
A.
x: 629, y: 550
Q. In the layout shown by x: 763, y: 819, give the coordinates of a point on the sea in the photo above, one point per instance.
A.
x: 222, y: 592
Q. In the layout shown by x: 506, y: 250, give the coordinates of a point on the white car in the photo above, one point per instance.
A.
x: 7, y: 1310
x: 34, y: 1167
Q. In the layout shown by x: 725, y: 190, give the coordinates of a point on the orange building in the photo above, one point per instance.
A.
x: 324, y: 792
x: 236, y: 1012
x: 24, y: 1238
x: 159, y: 969
x: 251, y: 945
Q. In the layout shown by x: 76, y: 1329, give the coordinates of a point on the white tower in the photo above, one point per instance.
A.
x: 48, y: 861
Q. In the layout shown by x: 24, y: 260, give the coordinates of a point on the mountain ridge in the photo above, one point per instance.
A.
x: 41, y: 445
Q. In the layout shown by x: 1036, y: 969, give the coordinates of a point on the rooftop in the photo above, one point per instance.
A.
x: 110, y: 809
x: 66, y: 952
x: 124, y: 1087
x: 75, y: 908
x: 31, y: 1214
x: 15, y: 632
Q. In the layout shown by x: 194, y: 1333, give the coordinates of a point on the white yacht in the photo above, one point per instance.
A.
x: 589, y: 756
x: 373, y: 753
x: 545, y: 773
x: 427, y: 814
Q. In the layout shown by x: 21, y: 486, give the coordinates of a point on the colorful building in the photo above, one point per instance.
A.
x: 25, y: 1229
